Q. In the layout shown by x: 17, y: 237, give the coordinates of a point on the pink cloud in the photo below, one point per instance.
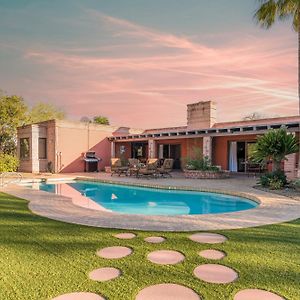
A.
x: 140, y: 90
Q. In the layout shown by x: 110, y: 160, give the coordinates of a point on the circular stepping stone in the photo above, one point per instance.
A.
x: 214, y: 273
x: 125, y: 236
x: 104, y: 274
x: 167, y: 291
x: 254, y: 294
x: 114, y: 252
x: 154, y: 239
x: 212, y: 254
x: 79, y: 296
x: 165, y: 257
x: 208, y: 238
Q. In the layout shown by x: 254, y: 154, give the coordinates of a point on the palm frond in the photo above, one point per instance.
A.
x: 271, y: 10
x: 275, y: 145
x: 266, y: 14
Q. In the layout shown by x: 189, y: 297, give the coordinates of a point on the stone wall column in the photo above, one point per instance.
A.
x: 207, y: 146
x: 151, y: 149
x: 34, y: 149
x: 290, y: 166
x: 112, y: 149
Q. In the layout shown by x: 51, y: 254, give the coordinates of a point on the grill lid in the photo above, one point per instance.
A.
x: 90, y: 156
x: 91, y: 159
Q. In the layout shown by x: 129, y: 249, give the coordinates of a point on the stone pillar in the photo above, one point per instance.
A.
x: 51, y: 146
x: 207, y: 146
x: 151, y: 149
x: 290, y: 166
x: 112, y: 149
x: 34, y: 149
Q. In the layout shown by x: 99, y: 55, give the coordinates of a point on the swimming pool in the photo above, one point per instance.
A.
x: 151, y: 201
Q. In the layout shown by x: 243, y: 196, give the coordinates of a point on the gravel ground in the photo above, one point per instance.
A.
x: 287, y: 192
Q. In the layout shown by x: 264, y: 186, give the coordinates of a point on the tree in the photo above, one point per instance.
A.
x: 85, y: 120
x: 274, y: 146
x: 13, y: 113
x: 8, y: 163
x: 101, y: 120
x: 272, y: 10
x: 44, y: 112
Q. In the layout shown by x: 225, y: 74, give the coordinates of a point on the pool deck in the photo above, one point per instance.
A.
x: 272, y: 209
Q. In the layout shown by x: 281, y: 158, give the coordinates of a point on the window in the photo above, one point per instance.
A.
x: 139, y: 150
x: 249, y: 150
x: 42, y: 148
x: 24, y: 148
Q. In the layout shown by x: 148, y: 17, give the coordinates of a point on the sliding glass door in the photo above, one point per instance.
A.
x: 239, y: 155
x: 233, y: 157
x: 170, y: 151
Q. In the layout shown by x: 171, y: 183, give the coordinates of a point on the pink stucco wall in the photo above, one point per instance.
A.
x: 74, y: 141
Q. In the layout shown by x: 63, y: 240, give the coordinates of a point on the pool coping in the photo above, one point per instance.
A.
x: 272, y: 209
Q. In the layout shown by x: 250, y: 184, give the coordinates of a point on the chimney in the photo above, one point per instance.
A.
x: 201, y: 115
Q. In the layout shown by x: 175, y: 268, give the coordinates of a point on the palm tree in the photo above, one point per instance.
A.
x: 274, y: 146
x: 273, y: 10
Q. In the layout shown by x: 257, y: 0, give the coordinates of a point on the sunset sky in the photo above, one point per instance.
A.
x: 139, y: 62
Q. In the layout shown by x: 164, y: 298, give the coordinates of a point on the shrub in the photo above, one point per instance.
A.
x: 8, y: 163
x: 275, y: 180
x: 275, y: 184
x: 202, y: 164
x: 296, y: 184
x: 274, y: 146
x: 50, y: 167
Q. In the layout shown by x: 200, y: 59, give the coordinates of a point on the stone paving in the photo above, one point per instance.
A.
x: 256, y: 294
x: 167, y: 291
x: 208, y: 238
x: 215, y: 273
x: 79, y: 296
x: 212, y: 254
x: 125, y: 236
x: 272, y: 209
x: 105, y: 274
x: 210, y: 273
x: 155, y: 239
x: 165, y: 257
x: 114, y: 252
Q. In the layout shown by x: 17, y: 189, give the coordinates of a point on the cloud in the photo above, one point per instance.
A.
x: 167, y: 72
x: 162, y: 39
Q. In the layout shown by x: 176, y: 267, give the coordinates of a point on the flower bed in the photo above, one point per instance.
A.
x: 198, y: 174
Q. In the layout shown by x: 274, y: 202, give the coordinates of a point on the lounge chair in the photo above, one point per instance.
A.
x: 133, y: 162
x: 150, y: 170
x: 134, y: 166
x: 166, y: 168
x: 117, y: 168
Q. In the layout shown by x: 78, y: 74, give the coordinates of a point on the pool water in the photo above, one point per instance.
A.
x: 150, y: 201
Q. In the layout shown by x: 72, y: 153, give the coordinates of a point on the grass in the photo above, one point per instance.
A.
x: 42, y: 258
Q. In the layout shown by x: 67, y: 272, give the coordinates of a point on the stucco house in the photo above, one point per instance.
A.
x: 59, y: 146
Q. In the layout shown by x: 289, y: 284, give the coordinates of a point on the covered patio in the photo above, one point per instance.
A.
x: 227, y: 147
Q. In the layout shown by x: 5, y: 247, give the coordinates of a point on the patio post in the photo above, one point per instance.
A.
x: 34, y: 155
x: 113, y: 149
x: 207, y: 146
x: 151, y: 149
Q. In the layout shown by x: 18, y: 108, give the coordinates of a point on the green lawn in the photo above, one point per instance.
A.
x: 41, y: 259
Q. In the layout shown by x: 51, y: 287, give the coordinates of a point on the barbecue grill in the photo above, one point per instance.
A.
x: 91, y: 162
